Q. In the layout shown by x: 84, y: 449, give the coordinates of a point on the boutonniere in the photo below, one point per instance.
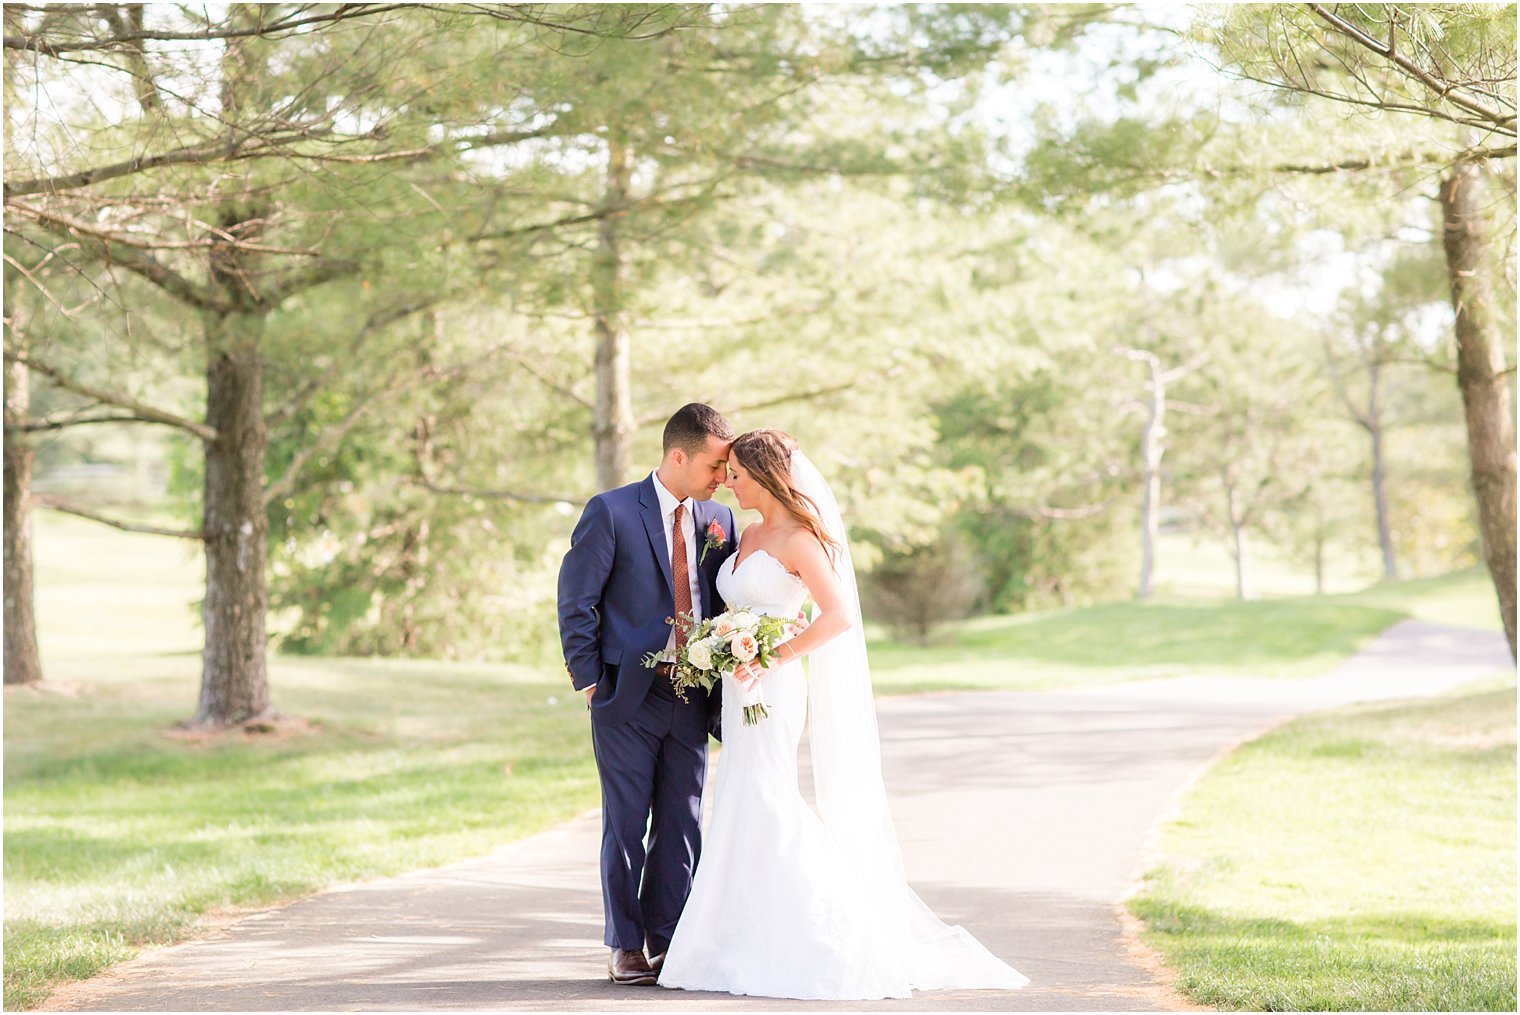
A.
x: 714, y: 540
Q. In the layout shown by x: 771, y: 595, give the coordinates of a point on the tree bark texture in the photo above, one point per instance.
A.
x: 22, y: 663
x: 234, y: 677
x: 1484, y: 382
x: 234, y: 685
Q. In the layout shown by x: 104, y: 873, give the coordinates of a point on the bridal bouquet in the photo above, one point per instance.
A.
x: 718, y: 645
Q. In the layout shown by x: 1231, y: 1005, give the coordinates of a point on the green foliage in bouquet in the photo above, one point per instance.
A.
x: 718, y: 645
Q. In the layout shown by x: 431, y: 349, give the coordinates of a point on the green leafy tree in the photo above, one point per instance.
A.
x: 264, y: 167
x: 1446, y: 76
x: 1249, y: 458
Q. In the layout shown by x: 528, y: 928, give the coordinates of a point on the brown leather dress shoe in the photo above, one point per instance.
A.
x: 630, y: 969
x: 655, y: 948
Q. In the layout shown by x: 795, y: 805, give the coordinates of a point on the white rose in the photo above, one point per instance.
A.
x: 744, y: 646
x: 699, y: 654
x: 746, y: 621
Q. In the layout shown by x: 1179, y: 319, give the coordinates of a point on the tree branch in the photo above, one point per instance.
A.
x: 376, y: 323
x: 335, y: 433
x: 628, y: 20
x: 229, y: 149
x: 608, y: 212
x: 324, y: 271
x: 798, y: 396
x: 1363, y: 162
x: 37, y: 42
x: 63, y: 422
x: 1445, y: 90
x: 1181, y: 370
x: 431, y: 486
x: 125, y: 19
x: 532, y: 370
x: 1061, y: 514
x: 115, y: 252
x: 328, y: 439
x: 422, y: 451
x: 69, y: 508
x: 145, y: 413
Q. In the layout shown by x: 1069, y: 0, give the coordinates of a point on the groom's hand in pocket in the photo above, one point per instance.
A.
x: 589, y: 692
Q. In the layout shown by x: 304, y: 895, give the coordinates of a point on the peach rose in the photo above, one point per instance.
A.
x: 744, y: 646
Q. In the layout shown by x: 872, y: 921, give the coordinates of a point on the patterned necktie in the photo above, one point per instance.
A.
x: 681, y: 578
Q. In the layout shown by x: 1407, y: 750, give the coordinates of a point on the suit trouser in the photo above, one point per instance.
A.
x: 650, y: 780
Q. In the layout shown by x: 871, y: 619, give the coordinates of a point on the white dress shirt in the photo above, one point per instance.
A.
x: 668, y: 504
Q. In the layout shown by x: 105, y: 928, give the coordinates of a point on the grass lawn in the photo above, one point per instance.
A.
x: 119, y: 835
x: 1296, y: 636
x: 1357, y: 860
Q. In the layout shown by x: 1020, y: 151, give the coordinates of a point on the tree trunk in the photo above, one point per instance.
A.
x: 1380, y: 506
x: 234, y: 679
x: 1238, y: 548
x: 1485, y: 384
x: 1319, y: 565
x: 1374, y: 425
x: 612, y: 427
x: 414, y: 559
x: 1152, y: 449
x: 1243, y: 588
x: 22, y: 664
x: 234, y: 686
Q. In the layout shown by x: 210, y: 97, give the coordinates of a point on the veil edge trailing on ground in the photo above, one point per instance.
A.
x: 848, y: 786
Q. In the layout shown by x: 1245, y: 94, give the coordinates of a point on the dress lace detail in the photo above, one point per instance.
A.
x: 771, y: 911
x: 776, y: 908
x: 772, y: 590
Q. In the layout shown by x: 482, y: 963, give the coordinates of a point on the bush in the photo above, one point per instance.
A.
x: 916, y: 590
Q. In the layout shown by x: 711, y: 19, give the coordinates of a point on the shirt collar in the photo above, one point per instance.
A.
x: 668, y: 500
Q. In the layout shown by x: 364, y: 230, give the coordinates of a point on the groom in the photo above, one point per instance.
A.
x: 641, y: 555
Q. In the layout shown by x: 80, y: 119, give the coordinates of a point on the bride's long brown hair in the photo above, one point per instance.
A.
x: 767, y: 456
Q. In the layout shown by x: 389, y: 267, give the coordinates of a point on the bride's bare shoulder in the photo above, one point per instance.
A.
x: 800, y: 548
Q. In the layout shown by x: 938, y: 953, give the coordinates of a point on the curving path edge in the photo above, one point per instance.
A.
x: 1024, y: 816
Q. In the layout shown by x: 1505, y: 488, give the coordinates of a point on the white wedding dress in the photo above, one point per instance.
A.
x: 779, y: 907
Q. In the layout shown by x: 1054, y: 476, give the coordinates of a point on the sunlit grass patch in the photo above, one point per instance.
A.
x: 118, y: 835
x: 1358, y: 860
x: 1134, y: 641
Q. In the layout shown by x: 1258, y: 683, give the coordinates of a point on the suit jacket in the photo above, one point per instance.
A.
x: 616, y: 593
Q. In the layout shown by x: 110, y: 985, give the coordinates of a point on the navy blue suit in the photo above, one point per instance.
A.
x: 615, y: 595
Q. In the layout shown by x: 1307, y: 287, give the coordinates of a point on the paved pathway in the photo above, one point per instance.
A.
x: 1023, y: 817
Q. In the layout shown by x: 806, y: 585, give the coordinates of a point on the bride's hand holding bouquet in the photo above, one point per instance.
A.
x: 731, y: 642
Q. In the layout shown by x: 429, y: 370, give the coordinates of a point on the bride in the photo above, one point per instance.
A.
x: 784, y: 904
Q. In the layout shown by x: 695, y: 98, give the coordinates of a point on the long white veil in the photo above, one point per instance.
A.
x: 850, y: 793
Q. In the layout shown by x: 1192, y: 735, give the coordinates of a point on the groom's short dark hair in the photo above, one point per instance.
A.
x: 692, y: 424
